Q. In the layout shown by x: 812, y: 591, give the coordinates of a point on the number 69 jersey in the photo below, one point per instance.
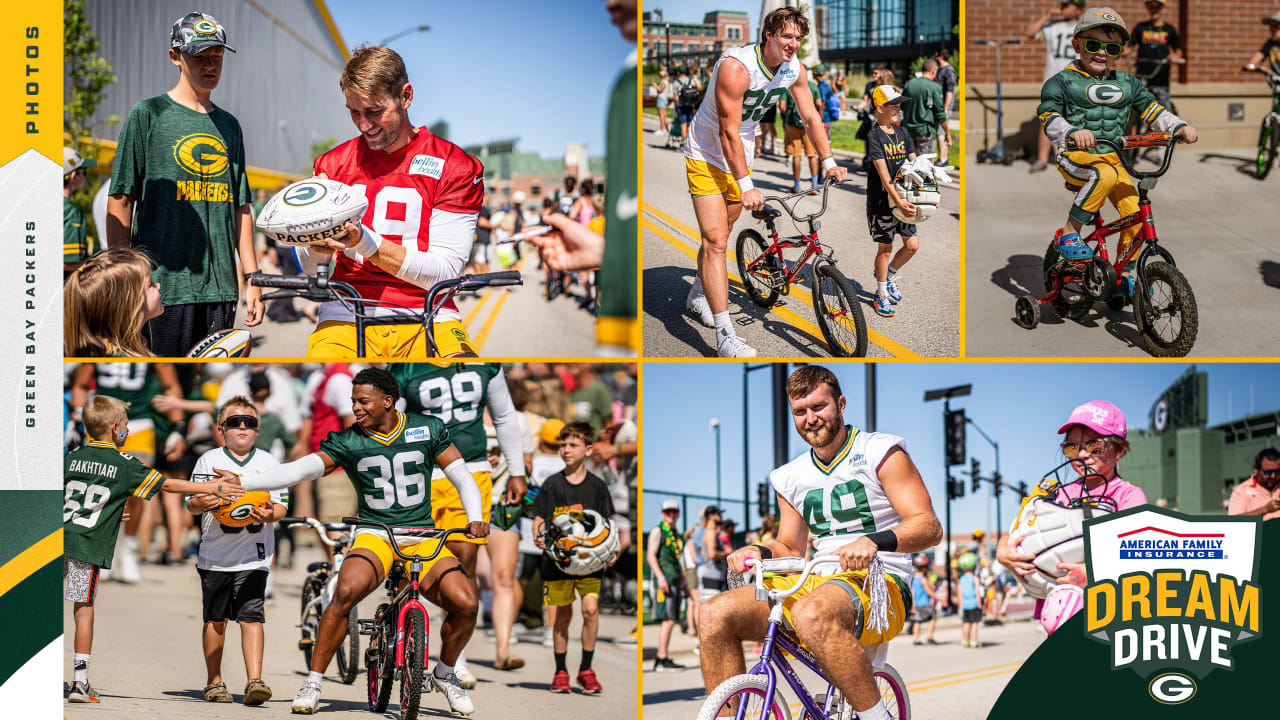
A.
x: 97, y: 479
x: 391, y: 473
x: 766, y: 87
x: 843, y: 499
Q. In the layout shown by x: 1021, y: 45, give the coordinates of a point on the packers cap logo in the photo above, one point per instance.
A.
x: 202, y: 154
x: 1108, y: 16
x: 305, y: 193
x: 204, y: 27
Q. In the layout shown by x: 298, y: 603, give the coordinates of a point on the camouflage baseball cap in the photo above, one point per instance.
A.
x: 196, y: 31
x: 1102, y: 17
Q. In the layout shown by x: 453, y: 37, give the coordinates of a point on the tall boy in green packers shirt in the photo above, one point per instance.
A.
x: 97, y: 479
x: 1087, y: 101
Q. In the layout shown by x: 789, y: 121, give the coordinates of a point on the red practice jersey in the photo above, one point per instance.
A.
x: 403, y: 188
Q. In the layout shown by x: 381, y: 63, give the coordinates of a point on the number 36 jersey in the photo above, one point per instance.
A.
x: 843, y: 499
x: 391, y: 473
x: 97, y: 479
x: 766, y: 87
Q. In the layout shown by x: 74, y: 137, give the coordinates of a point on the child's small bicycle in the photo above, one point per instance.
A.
x: 1164, y: 306
x: 317, y: 592
x: 766, y: 275
x: 755, y: 695
x: 1269, y: 135
x: 400, y: 628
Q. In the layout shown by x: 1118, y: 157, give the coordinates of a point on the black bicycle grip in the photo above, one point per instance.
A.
x: 292, y: 282
x: 504, y: 277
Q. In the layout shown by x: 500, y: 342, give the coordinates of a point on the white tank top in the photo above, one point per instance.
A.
x: 766, y: 87
x: 844, y: 499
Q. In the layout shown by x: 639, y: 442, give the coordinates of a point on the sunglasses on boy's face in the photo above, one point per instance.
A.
x: 1093, y: 447
x: 1095, y: 46
x: 235, y: 422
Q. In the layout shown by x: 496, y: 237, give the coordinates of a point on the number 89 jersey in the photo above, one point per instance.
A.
x: 457, y: 395
x: 765, y: 89
x: 843, y: 499
x: 391, y: 473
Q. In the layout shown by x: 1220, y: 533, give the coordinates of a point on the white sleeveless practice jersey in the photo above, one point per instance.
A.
x: 843, y: 499
x: 766, y: 88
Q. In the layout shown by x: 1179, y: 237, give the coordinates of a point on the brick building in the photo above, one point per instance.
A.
x: 507, y: 170
x: 718, y: 30
x: 1209, y: 91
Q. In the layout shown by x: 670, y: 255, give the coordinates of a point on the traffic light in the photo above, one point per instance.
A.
x: 764, y: 498
x: 955, y: 488
x: 1022, y: 488
x: 995, y: 479
x: 954, y: 432
x: 975, y: 469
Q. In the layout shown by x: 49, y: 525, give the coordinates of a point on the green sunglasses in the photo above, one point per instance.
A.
x: 1093, y: 46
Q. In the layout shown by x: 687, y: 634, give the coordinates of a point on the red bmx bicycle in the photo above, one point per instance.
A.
x: 1164, y: 308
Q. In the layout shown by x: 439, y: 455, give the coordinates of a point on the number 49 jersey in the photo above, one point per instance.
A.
x: 766, y: 87
x: 405, y: 190
x: 456, y: 394
x: 391, y: 473
x: 843, y: 499
x: 97, y: 479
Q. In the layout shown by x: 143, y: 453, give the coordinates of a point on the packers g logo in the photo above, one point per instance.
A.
x: 1104, y: 94
x: 1108, y: 16
x: 305, y: 193
x: 204, y: 27
x: 241, y: 513
x: 1172, y: 688
x: 201, y: 154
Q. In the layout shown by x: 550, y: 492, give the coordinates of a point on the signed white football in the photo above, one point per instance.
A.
x: 308, y: 211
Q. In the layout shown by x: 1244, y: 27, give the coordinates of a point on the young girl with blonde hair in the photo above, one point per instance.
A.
x: 105, y: 304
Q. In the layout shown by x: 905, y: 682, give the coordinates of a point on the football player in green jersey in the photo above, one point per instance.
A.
x: 389, y: 456
x: 97, y: 480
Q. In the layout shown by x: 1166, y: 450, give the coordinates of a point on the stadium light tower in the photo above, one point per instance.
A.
x: 406, y: 31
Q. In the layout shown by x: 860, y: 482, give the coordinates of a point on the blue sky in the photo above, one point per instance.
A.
x: 541, y: 71
x: 1019, y: 405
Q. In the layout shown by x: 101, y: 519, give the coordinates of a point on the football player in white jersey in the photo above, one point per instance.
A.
x: 859, y: 495
x: 745, y: 84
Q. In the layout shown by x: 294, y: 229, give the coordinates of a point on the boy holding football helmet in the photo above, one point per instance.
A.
x: 888, y: 147
x: 235, y: 561
x: 572, y: 492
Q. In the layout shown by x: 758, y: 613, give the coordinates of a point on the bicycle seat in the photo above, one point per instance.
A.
x: 320, y: 565
x: 766, y: 213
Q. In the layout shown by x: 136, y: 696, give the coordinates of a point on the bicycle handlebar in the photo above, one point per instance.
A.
x: 427, y: 534
x: 1272, y: 78
x: 788, y: 564
x: 322, y: 527
x: 782, y: 201
x: 1150, y: 140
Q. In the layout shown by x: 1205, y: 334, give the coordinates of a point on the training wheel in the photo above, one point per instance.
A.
x: 1026, y: 311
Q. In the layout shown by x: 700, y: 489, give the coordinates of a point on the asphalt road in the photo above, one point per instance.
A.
x: 147, y: 661
x: 1215, y: 218
x: 944, y: 681
x: 926, y: 321
x: 515, y: 322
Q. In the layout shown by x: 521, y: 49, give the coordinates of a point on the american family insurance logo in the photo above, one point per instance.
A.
x: 1172, y: 594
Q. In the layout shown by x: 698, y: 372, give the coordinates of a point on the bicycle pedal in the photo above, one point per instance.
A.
x: 367, y: 627
x: 305, y: 643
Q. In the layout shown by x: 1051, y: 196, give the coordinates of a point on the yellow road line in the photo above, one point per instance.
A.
x: 800, y: 293
x: 471, y: 315
x: 1006, y: 666
x: 916, y: 689
x: 30, y: 560
x: 478, y: 340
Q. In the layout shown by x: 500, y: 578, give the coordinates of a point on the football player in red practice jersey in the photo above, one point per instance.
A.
x: 424, y: 197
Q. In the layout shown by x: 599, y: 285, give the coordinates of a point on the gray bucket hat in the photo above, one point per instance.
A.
x: 1102, y: 17
x: 197, y: 31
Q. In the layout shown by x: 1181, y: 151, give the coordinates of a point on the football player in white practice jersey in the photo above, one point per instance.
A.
x: 745, y: 84
x: 859, y: 495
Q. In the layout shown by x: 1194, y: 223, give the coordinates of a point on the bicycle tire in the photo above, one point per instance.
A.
x: 749, y: 246
x: 309, y: 593
x: 1152, y: 303
x: 1266, y: 148
x: 380, y: 660
x: 1070, y: 304
x: 744, y: 686
x: 349, y: 651
x: 830, y: 318
x: 415, y: 661
x: 893, y: 692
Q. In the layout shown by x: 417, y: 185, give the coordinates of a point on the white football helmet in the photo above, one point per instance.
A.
x: 1054, y: 533
x: 924, y: 196
x: 581, y: 543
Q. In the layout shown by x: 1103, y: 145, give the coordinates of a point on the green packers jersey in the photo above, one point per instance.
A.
x: 455, y: 394
x: 97, y: 479
x: 392, y: 472
x: 619, y: 325
x: 1099, y: 104
x: 134, y: 383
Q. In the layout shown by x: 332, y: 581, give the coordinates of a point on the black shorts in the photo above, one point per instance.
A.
x: 883, y: 227
x: 233, y: 595
x: 527, y: 565
x: 972, y: 616
x: 921, y: 613
x: 180, y: 327
x: 673, y: 603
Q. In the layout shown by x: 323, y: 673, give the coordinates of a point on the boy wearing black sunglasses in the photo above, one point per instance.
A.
x: 1087, y: 101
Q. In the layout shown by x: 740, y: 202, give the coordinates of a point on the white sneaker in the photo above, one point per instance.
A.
x: 696, y: 304
x: 307, y: 699
x: 129, y: 569
x: 733, y: 346
x: 465, y: 678
x: 459, y: 702
x: 547, y: 640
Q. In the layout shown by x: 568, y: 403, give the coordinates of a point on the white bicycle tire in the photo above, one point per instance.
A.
x: 734, y: 685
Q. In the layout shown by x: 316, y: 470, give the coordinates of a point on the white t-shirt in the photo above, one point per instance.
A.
x: 844, y: 499
x: 236, y: 548
x: 1057, y: 40
x: 765, y: 89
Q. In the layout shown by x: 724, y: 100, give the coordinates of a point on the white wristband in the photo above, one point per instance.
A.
x: 744, y: 183
x: 828, y: 163
x: 369, y: 242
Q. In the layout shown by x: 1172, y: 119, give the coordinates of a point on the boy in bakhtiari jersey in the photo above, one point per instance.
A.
x: 235, y: 562
x: 889, y: 145
x: 858, y: 495
x: 574, y: 489
x: 389, y: 456
x: 97, y: 479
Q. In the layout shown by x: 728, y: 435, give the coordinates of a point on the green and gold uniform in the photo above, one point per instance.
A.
x: 97, y: 479
x: 618, y: 329
x: 136, y: 384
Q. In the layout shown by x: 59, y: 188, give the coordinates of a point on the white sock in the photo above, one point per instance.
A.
x: 893, y: 271
x: 315, y: 677
x: 723, y: 323
x: 443, y: 671
x: 883, y: 287
x: 462, y: 660
x: 81, y: 663
x: 875, y: 712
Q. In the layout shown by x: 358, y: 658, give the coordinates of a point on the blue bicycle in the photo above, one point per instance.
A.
x: 755, y: 695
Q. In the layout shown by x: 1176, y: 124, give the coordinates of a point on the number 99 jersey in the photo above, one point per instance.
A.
x: 391, y: 473
x: 843, y: 499
x: 457, y: 395
x: 766, y: 87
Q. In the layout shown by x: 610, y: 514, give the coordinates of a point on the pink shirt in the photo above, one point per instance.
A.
x: 1123, y: 492
x: 1249, y: 497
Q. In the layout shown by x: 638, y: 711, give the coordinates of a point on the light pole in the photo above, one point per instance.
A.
x: 406, y: 31
x: 746, y: 443
x: 945, y: 395
x: 997, y: 479
x: 715, y: 427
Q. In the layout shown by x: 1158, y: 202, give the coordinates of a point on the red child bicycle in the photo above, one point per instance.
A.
x: 1164, y: 308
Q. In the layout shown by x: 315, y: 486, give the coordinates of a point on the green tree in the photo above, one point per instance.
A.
x: 87, y: 76
x: 321, y: 147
